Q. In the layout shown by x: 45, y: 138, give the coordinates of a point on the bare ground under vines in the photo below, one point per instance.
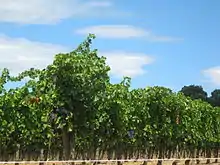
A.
x: 133, y: 163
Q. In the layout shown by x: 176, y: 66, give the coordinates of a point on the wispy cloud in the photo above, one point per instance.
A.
x: 127, y: 63
x: 17, y: 54
x: 124, y: 32
x: 113, y: 31
x: 157, y: 38
x: 213, y: 75
x: 51, y: 11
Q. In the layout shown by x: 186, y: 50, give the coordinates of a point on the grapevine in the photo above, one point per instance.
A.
x: 71, y: 110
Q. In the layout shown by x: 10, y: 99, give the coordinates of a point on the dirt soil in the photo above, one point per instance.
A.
x: 131, y: 163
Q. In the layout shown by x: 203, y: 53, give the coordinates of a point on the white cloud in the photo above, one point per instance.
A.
x: 213, y: 74
x: 113, y: 31
x: 164, y: 38
x: 127, y: 64
x: 124, y: 32
x: 19, y: 54
x: 49, y: 11
x: 100, y: 3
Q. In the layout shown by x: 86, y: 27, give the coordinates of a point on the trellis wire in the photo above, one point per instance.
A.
x: 107, y: 160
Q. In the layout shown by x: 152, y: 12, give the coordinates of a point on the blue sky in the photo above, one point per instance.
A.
x: 168, y: 42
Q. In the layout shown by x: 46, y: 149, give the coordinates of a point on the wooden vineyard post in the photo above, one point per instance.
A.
x: 187, y: 162
x: 159, y: 162
x: 41, y: 163
x: 145, y: 163
x: 174, y: 162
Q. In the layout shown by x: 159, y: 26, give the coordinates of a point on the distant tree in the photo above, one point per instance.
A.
x: 214, y: 99
x: 195, y: 92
